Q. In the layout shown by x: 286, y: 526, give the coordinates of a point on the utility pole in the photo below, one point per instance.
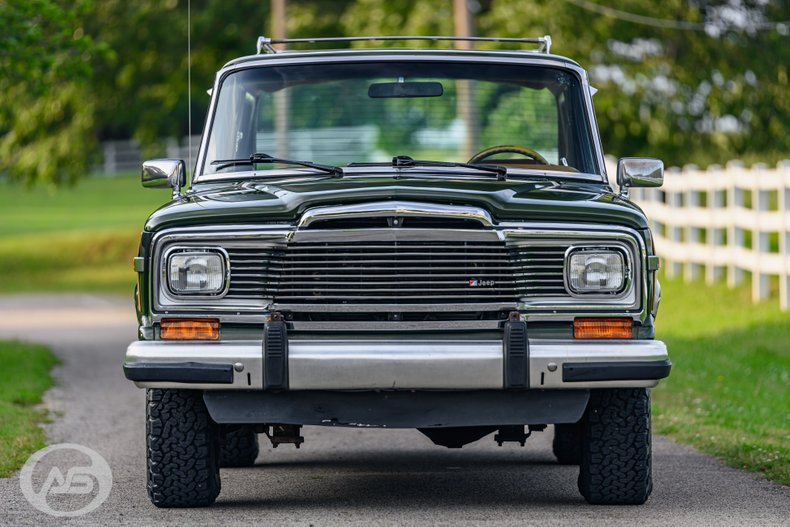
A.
x: 280, y: 98
x: 278, y: 21
x: 466, y: 108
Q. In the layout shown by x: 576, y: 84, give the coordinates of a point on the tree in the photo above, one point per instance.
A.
x: 46, y: 112
x: 706, y: 83
x: 142, y: 89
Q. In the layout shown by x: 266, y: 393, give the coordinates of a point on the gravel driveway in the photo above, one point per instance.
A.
x: 342, y: 476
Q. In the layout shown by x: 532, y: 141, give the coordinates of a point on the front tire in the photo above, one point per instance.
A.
x: 616, y: 463
x: 183, y: 449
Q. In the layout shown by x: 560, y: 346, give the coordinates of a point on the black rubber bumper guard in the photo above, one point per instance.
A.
x: 516, y: 345
x: 615, y: 371
x: 275, y: 354
x: 187, y: 372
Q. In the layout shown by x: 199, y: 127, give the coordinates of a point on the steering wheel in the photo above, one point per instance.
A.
x: 523, y: 150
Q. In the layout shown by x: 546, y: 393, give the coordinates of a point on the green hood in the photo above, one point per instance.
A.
x: 285, y: 200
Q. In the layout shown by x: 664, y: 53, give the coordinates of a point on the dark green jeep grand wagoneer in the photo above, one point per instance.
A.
x: 398, y: 238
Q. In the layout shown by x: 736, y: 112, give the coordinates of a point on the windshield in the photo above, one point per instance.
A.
x: 521, y: 117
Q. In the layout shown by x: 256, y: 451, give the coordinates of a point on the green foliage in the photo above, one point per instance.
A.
x: 24, y: 378
x: 727, y: 394
x: 685, y: 96
x: 46, y: 110
x: 536, y: 123
x: 142, y: 88
x: 404, y: 17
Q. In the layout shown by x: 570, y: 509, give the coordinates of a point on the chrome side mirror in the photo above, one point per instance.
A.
x: 639, y: 172
x: 164, y: 173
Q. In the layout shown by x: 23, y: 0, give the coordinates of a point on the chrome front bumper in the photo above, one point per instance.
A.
x: 397, y: 365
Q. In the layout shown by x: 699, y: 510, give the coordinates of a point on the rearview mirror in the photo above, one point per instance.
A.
x: 398, y: 90
x: 639, y: 172
x: 164, y: 173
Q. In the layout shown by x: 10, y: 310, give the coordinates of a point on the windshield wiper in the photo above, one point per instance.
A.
x: 406, y: 161
x: 255, y: 159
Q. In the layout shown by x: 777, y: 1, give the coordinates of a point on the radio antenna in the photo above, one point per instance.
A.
x: 189, y: 82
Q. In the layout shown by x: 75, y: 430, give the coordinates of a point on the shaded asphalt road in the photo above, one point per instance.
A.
x: 342, y: 476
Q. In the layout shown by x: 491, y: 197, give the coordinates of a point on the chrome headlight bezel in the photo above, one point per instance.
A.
x: 168, y: 289
x: 628, y: 271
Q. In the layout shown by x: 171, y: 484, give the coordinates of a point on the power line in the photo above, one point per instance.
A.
x: 664, y: 23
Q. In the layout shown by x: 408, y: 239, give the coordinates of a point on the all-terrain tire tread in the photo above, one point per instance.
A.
x: 616, y: 463
x: 183, y: 449
x: 239, y: 448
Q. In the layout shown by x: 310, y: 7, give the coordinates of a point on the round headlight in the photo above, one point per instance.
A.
x: 196, y: 273
x: 596, y: 271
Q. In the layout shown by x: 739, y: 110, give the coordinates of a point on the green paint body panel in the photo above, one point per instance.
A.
x: 286, y: 199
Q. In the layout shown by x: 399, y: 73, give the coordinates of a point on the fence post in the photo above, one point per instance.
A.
x: 690, y: 203
x: 735, y: 234
x: 172, y: 149
x: 783, y: 167
x: 716, y: 236
x: 109, y: 157
x: 674, y: 199
x: 760, y: 238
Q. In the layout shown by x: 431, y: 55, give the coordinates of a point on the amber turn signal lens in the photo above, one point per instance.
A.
x: 602, y: 328
x: 185, y: 329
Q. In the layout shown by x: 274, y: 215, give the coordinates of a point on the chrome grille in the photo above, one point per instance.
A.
x: 393, y: 272
x: 397, y: 272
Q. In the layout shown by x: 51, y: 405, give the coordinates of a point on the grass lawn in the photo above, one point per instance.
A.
x: 24, y: 377
x: 729, y: 391
x: 77, y: 239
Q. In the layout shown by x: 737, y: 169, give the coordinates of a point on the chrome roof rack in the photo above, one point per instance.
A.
x: 266, y: 44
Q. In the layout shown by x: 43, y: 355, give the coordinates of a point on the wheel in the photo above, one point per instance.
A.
x: 615, y: 466
x: 239, y: 446
x: 567, y: 444
x: 183, y: 449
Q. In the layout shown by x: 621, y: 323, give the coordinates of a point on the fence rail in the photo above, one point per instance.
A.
x: 724, y: 223
x: 121, y: 157
x: 356, y: 142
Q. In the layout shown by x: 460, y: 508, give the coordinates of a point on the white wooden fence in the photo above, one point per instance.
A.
x: 356, y: 142
x: 122, y: 157
x: 724, y: 223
